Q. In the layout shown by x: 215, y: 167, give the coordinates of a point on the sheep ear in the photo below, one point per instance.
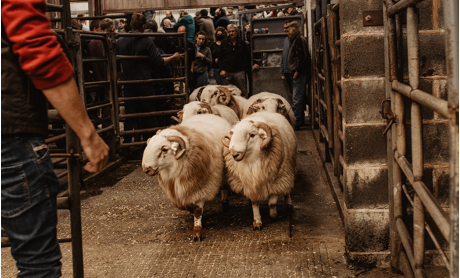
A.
x: 265, y: 132
x: 226, y: 140
x: 175, y: 147
x: 148, y: 140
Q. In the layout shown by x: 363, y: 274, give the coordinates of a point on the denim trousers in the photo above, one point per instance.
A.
x: 299, y: 97
x: 218, y: 77
x: 29, y: 216
x: 201, y: 79
x: 238, y: 79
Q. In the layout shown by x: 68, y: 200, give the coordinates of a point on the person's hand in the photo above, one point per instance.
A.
x: 216, y: 60
x: 200, y: 55
x: 222, y: 73
x: 295, y: 75
x: 255, y: 67
x: 97, y: 152
x: 191, y: 70
x: 176, y: 56
x: 282, y: 77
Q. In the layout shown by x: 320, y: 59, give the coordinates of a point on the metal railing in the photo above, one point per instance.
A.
x: 180, y: 75
x: 408, y: 252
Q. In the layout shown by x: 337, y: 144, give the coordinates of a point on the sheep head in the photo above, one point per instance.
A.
x: 225, y: 96
x: 210, y: 94
x: 195, y: 108
x: 161, y: 152
x: 248, y: 137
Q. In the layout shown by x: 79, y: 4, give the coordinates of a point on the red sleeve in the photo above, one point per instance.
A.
x: 40, y: 55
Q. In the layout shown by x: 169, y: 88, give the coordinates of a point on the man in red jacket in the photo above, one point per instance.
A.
x: 35, y: 69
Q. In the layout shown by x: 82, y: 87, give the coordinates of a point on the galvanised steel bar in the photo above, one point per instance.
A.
x: 427, y: 198
x: 148, y: 114
x: 416, y: 140
x: 451, y: 16
x: 184, y: 63
x: 406, y: 241
x: 436, y: 104
x: 114, y: 89
x: 153, y: 97
x: 401, y: 6
x: 99, y: 106
x: 328, y: 89
x: 430, y: 232
x: 405, y: 266
x: 151, y: 81
x: 394, y: 172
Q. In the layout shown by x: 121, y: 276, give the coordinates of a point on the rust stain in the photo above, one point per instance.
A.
x: 435, y: 15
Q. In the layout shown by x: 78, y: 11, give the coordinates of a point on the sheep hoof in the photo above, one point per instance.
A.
x: 196, y: 233
x: 257, y: 226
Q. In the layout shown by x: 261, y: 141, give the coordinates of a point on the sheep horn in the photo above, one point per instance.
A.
x: 206, y: 106
x: 226, y: 140
x: 267, y: 130
x: 250, y: 110
x: 181, y: 143
x: 228, y: 96
x: 176, y: 119
x: 200, y: 91
x: 282, y: 106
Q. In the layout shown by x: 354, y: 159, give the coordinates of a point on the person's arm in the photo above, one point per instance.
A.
x: 208, y: 58
x: 42, y: 59
x: 220, y: 58
x: 300, y: 51
x: 65, y: 98
x: 155, y: 55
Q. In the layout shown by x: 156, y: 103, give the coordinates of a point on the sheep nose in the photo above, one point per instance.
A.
x: 236, y: 155
x: 149, y: 170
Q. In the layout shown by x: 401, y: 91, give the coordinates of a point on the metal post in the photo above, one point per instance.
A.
x: 327, y: 91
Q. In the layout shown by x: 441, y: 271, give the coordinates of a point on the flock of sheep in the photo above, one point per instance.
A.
x: 223, y: 139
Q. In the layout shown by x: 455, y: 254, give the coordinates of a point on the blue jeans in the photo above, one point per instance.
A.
x: 218, y: 77
x: 299, y: 97
x: 29, y: 216
x: 201, y: 79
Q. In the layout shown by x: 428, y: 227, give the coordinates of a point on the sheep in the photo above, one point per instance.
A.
x: 189, y: 163
x: 260, y: 158
x: 220, y: 95
x: 196, y: 94
x: 270, y: 102
x: 197, y: 107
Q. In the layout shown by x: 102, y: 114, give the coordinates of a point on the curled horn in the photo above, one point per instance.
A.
x: 200, y: 91
x: 267, y: 130
x: 228, y: 95
x: 181, y: 143
x: 206, y: 106
x: 250, y: 110
x: 281, y: 104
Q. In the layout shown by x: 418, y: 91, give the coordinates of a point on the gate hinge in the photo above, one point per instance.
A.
x: 387, y: 114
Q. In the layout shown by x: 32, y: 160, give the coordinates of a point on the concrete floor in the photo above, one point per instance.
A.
x: 130, y: 229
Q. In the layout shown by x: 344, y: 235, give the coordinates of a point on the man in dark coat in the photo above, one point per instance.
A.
x: 168, y: 16
x: 204, y: 23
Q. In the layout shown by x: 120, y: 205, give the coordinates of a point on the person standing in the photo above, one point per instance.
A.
x: 299, y: 63
x: 35, y: 70
x: 245, y: 17
x: 204, y: 23
x: 230, y: 14
x: 285, y: 73
x: 203, y: 60
x: 83, y: 23
x: 220, y: 35
x: 234, y: 60
x: 223, y: 19
x: 140, y: 70
x: 170, y: 17
x: 189, y: 23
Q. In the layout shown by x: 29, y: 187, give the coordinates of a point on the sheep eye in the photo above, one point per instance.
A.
x: 252, y: 135
x: 164, y: 150
x: 263, y: 107
x: 215, y: 93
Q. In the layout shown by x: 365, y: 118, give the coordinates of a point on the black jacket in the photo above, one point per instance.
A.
x: 234, y: 57
x: 24, y: 107
x: 299, y: 57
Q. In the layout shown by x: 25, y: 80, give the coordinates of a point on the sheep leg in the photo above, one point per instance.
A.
x: 257, y: 218
x: 224, y: 198
x: 197, y: 216
x: 272, y: 204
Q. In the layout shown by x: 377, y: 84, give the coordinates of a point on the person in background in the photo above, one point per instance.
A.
x: 204, y: 23
x: 219, y: 35
x: 292, y: 11
x: 280, y: 13
x: 75, y: 24
x: 107, y: 25
x: 149, y: 14
x: 223, y: 20
x: 189, y: 24
x: 203, y: 60
x: 140, y: 70
x: 191, y: 53
x: 170, y: 17
x: 99, y: 73
x: 230, y: 14
x: 216, y: 16
x: 285, y: 73
x: 299, y: 63
x: 245, y: 17
x: 167, y: 23
x: 163, y: 43
x: 34, y: 71
x: 95, y: 26
x: 121, y: 26
x: 234, y: 59
x: 83, y: 22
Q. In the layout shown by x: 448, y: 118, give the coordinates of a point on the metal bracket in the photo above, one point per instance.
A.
x: 387, y: 114
x: 373, y: 18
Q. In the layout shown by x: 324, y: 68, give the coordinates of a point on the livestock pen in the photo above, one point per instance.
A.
x: 376, y: 194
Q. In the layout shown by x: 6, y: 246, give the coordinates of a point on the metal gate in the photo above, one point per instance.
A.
x: 406, y: 170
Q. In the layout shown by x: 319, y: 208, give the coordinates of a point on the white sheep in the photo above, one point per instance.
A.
x: 196, y: 94
x: 197, y: 107
x: 260, y: 158
x: 221, y: 95
x: 270, y: 102
x: 189, y: 163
